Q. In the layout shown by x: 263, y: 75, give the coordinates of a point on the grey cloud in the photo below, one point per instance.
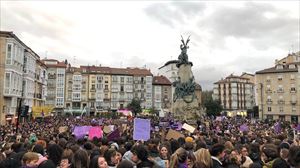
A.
x: 19, y: 19
x: 175, y: 12
x: 249, y: 22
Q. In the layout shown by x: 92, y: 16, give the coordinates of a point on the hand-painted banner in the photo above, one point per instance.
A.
x: 81, y: 131
x: 95, y: 132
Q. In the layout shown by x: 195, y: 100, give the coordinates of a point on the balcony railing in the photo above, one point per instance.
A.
x: 269, y: 101
x: 280, y: 102
x: 280, y: 91
x: 293, y: 102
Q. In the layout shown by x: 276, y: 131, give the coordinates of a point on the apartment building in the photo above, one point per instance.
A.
x: 76, y: 89
x: 121, y: 88
x: 40, y: 87
x: 170, y: 70
x: 235, y: 93
x: 18, y: 72
x: 29, y: 75
x: 12, y: 63
x: 99, y: 84
x: 142, y: 86
x: 56, y: 83
x: 277, y: 90
x: 162, y: 93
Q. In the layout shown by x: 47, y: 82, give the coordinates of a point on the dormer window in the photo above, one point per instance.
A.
x: 279, y: 66
x: 292, y: 66
x: 279, y: 77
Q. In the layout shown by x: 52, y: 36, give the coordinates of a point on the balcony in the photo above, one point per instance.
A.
x: 293, y: 91
x: 106, y: 99
x: 280, y: 102
x: 280, y: 91
x: 293, y: 102
x: 106, y: 90
x: 268, y: 91
x: 92, y: 90
x: 269, y: 101
x: 51, y: 76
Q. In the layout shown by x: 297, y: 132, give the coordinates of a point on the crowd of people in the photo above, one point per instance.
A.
x: 213, y: 144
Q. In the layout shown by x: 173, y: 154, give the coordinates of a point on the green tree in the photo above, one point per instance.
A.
x: 213, y: 107
x: 135, y: 106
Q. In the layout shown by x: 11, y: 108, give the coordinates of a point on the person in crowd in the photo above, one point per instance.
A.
x: 203, y: 158
x: 98, y: 162
x: 66, y: 158
x: 140, y: 157
x: 125, y: 164
x: 80, y: 159
x: 294, y: 156
x: 217, y: 153
x: 111, y: 158
x: 30, y: 160
x: 54, y: 152
x: 179, y: 158
x: 41, y: 153
x: 269, y: 154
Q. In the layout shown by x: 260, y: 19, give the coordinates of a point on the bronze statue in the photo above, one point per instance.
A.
x: 184, y: 89
x: 183, y: 57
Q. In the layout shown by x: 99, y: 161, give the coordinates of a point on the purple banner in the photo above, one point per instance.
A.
x: 244, y: 127
x: 81, y: 131
x: 141, y: 129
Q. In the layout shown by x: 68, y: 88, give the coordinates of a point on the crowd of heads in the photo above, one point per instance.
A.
x: 214, y: 144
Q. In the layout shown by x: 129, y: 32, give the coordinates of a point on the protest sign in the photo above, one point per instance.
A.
x: 81, y: 131
x: 62, y: 129
x: 95, y: 132
x: 244, y: 128
x: 172, y: 134
x: 106, y: 129
x: 188, y: 127
x: 141, y: 129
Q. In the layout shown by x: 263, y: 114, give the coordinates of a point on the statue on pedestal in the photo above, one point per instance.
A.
x: 184, y: 89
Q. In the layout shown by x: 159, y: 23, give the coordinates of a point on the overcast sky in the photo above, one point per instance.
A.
x: 226, y: 37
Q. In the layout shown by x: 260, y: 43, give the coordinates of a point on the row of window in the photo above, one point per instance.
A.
x: 280, y: 77
x: 281, y: 109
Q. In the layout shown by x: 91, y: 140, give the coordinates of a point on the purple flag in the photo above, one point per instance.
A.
x: 81, y: 131
x: 115, y: 135
x: 277, y: 127
x: 141, y: 129
x: 298, y: 127
x: 244, y: 127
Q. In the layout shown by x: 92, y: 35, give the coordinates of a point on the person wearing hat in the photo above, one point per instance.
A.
x: 189, y: 139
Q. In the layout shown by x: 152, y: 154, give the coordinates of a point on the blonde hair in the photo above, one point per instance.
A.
x: 202, y: 155
x: 30, y: 156
x: 228, y: 145
x: 179, y: 156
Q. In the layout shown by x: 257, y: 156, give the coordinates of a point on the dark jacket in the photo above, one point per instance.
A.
x: 216, y: 164
x: 147, y: 164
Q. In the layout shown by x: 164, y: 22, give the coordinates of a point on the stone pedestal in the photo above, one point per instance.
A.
x: 181, y: 109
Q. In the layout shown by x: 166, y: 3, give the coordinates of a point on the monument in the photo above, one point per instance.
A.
x: 185, y: 104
